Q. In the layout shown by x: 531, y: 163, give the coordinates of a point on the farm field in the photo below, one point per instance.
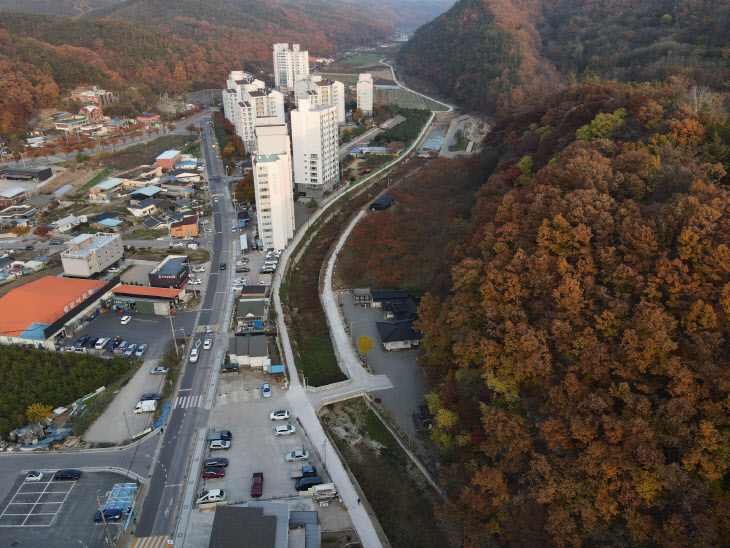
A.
x: 364, y: 58
x: 405, y: 98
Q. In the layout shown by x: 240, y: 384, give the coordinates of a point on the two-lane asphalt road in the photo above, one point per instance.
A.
x: 169, y: 476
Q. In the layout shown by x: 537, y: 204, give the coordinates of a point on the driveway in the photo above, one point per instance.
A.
x: 402, y: 369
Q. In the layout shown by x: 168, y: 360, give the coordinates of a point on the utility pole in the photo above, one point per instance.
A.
x: 174, y: 340
x: 103, y: 518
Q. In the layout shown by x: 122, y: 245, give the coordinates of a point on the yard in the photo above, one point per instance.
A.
x: 96, y: 179
x: 157, y: 254
x: 144, y: 153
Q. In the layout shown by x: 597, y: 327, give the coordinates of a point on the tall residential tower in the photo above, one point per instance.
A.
x: 365, y: 93
x: 322, y: 92
x: 290, y: 65
x: 314, y: 146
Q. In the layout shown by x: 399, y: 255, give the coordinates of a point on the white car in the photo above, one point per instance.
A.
x: 265, y: 282
x: 285, y: 430
x: 199, y: 268
x: 212, y: 495
x: 280, y: 415
x: 195, y: 281
x: 296, y: 456
x: 240, y: 280
x: 215, y: 199
x: 126, y: 319
x: 194, y: 355
x: 207, y: 344
x: 219, y: 444
x: 34, y: 475
x: 188, y: 239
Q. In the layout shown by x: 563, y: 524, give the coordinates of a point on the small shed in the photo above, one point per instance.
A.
x: 362, y: 296
x: 384, y: 202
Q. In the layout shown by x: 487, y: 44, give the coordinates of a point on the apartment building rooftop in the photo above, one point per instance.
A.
x: 85, y: 247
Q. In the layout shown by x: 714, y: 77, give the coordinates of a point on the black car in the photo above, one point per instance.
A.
x: 82, y: 340
x: 29, y: 248
x: 243, y: 269
x: 216, y: 462
x: 223, y: 266
x: 151, y: 396
x: 91, y: 342
x: 110, y: 514
x: 68, y: 474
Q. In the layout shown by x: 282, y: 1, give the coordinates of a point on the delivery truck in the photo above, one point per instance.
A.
x: 145, y: 406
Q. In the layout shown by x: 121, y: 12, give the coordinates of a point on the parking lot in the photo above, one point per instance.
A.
x: 57, y: 513
x: 254, y: 447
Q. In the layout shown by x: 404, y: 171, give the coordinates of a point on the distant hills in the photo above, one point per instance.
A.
x: 153, y: 46
x: 490, y: 52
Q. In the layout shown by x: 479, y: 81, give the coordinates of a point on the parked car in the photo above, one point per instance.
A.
x: 218, y: 462
x: 224, y: 435
x: 34, y: 475
x: 130, y: 350
x: 207, y: 344
x: 199, y: 268
x: 243, y: 269
x: 257, y: 484
x: 211, y: 495
x: 126, y: 319
x: 188, y: 239
x: 223, y: 445
x: 67, y: 474
x: 101, y: 343
x: 295, y: 456
x: 29, y: 248
x: 140, y: 350
x: 159, y: 370
x: 195, y: 281
x: 266, y: 390
x: 306, y: 483
x: 56, y: 242
x: 114, y: 269
x: 285, y: 430
x: 280, y: 415
x: 151, y: 396
x: 110, y: 514
x: 122, y: 346
x: 91, y: 342
x: 194, y: 355
x: 214, y: 472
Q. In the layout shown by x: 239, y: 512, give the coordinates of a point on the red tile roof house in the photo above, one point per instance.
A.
x: 148, y: 118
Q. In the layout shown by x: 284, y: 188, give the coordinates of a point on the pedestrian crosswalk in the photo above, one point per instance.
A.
x: 186, y: 402
x: 204, y: 328
x: 160, y: 541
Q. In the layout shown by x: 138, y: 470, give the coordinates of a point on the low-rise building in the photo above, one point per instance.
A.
x: 168, y: 159
x: 251, y: 313
x: 187, y: 226
x: 172, y: 272
x: 93, y: 95
x: 398, y: 335
x: 147, y: 300
x: 106, y: 190
x: 143, y: 208
x: 71, y: 124
x: 249, y: 351
x: 148, y: 118
x: 16, y: 212
x: 11, y: 196
x: 68, y: 223
x: 42, y: 202
x: 35, y: 174
x: 90, y: 254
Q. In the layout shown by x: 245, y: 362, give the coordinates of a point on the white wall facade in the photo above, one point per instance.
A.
x: 87, y: 255
x: 314, y: 148
x: 246, y: 99
x: 290, y: 65
x: 365, y: 93
x: 273, y: 186
x: 322, y: 92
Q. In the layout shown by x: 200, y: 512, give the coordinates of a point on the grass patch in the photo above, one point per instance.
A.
x: 147, y: 234
x: 402, y: 503
x: 364, y: 58
x: 96, y: 179
x: 459, y: 146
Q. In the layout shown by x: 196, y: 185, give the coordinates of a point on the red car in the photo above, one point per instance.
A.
x: 214, y: 472
x: 257, y: 484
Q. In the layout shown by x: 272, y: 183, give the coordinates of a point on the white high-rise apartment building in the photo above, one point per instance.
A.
x: 290, y: 65
x: 322, y: 92
x: 273, y: 186
x: 314, y: 146
x: 247, y: 103
x: 365, y: 93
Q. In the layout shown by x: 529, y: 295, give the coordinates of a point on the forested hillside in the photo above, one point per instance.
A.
x: 492, y: 53
x: 580, y: 360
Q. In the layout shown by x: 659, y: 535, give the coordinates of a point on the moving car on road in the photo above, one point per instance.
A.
x: 207, y: 344
x: 194, y: 355
x: 126, y: 319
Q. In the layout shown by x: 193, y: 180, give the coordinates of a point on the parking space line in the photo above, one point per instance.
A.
x: 37, y: 500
